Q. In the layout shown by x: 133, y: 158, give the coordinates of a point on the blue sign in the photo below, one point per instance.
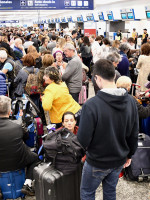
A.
x: 46, y: 5
x: 9, y: 21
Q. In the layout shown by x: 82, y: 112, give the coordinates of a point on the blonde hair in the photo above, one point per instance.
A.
x: 61, y: 43
x: 115, y: 43
x: 47, y: 60
x: 124, y: 82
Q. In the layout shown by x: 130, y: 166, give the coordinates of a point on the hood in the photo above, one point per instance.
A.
x: 116, y: 98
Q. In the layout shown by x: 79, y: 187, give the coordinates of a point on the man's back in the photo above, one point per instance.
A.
x: 73, y: 75
x: 12, y: 148
x: 109, y: 134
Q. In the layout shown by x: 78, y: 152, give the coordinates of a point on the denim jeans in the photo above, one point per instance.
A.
x: 92, y: 178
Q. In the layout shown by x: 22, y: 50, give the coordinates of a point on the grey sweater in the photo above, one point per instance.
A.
x: 73, y: 75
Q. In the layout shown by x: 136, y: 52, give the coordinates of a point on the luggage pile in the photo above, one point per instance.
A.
x: 59, y: 177
x: 31, y: 121
x: 139, y: 170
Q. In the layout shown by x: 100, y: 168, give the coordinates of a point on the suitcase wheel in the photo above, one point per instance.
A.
x: 140, y: 179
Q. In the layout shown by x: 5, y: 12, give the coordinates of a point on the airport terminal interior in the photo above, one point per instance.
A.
x: 80, y: 66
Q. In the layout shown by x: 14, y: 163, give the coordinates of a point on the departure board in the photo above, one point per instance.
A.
x: 46, y: 4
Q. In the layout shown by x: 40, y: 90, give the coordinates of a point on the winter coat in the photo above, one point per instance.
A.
x: 3, y: 87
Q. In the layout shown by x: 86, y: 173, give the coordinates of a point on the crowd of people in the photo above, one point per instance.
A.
x: 48, y: 66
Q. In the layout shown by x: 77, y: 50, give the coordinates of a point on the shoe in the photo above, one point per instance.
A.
x: 28, y: 190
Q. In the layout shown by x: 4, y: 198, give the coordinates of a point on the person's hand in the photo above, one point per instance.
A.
x: 147, y: 94
x: 127, y: 164
x: 20, y: 47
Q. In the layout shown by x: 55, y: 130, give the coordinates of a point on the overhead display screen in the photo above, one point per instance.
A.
x: 148, y: 14
x: 123, y: 15
x: 110, y: 17
x: 101, y: 17
x: 46, y: 5
x: 130, y: 15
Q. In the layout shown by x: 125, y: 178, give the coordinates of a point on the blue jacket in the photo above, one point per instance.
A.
x: 123, y: 66
x: 3, y: 87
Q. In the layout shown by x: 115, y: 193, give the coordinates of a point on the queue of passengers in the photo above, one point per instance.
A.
x: 57, y: 60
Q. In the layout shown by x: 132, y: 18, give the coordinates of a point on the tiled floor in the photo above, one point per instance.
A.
x: 128, y: 190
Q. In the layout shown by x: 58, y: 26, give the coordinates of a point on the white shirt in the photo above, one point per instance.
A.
x: 96, y: 51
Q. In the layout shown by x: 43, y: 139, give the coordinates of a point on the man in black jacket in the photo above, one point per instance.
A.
x: 108, y: 130
x: 14, y: 154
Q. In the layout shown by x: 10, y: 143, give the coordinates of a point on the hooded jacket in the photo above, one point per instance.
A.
x: 108, y: 128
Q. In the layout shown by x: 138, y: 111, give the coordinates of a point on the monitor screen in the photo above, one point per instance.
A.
x: 101, y: 17
x: 148, y: 14
x: 130, y: 15
x: 79, y: 19
x: 110, y: 17
x: 123, y: 15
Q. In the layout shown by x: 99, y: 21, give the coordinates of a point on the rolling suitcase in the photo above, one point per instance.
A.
x: 11, y: 184
x: 139, y: 169
x: 83, y: 95
x: 51, y: 184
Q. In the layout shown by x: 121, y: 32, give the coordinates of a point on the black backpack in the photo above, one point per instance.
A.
x: 63, y: 150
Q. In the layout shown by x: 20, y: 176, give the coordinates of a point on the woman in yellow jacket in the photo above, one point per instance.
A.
x: 57, y: 99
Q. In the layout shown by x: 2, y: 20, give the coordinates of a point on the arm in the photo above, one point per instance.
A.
x: 132, y: 140
x: 7, y: 67
x: 144, y: 112
x: 47, y: 99
x: 19, y: 76
x: 139, y: 64
x: 70, y: 68
x: 86, y: 129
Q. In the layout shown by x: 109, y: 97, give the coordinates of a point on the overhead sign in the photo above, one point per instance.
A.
x: 9, y: 21
x: 46, y: 5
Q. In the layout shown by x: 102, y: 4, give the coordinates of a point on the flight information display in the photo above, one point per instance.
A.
x: 46, y: 4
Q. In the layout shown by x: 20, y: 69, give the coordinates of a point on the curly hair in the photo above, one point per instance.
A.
x: 53, y: 74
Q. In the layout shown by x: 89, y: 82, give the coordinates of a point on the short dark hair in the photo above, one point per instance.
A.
x: 28, y: 60
x: 74, y: 32
x: 131, y: 39
x: 105, y: 69
x: 54, y: 37
x: 43, y: 40
x: 106, y: 41
x: 28, y: 37
x: 68, y: 113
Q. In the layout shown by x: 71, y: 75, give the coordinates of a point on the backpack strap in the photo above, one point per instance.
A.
x: 24, y: 69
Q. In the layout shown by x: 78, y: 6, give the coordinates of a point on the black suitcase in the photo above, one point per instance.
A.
x: 139, y: 169
x: 51, y: 184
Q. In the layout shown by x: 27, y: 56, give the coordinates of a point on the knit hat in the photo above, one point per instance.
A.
x: 58, y: 51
